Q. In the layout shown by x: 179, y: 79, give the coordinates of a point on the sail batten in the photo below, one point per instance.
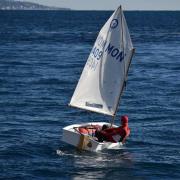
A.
x: 102, y: 80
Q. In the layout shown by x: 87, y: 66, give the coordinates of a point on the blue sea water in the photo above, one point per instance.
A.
x: 42, y: 54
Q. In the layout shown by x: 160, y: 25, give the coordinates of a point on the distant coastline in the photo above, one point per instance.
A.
x: 20, y: 5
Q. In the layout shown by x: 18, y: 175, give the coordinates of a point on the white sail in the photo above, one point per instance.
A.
x: 102, y: 80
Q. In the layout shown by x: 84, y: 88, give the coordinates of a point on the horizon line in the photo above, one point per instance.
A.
x: 69, y: 9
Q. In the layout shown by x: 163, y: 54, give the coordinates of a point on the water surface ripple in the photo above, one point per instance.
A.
x: 42, y: 54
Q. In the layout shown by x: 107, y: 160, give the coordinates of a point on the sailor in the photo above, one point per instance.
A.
x: 115, y: 134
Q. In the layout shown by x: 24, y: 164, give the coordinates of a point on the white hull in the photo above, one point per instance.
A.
x: 86, y: 142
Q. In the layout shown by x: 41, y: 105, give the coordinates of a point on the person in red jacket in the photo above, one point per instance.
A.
x: 115, y: 134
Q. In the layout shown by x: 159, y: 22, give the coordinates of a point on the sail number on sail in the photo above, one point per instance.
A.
x: 101, y: 46
x: 97, y: 53
x: 114, y: 52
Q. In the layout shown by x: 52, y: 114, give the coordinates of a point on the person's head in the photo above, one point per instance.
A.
x: 105, y: 126
x: 124, y: 120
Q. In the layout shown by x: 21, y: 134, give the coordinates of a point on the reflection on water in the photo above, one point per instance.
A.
x: 98, y: 165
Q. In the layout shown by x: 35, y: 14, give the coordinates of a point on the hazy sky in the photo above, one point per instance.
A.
x: 112, y: 4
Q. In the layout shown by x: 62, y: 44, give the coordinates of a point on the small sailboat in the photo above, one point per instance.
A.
x: 102, y: 82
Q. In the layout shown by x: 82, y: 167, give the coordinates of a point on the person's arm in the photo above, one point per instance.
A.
x: 122, y: 139
x: 126, y: 134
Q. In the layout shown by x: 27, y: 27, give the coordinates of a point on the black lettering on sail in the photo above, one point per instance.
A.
x: 94, y: 105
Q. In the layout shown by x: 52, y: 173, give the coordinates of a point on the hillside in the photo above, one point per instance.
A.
x: 19, y: 5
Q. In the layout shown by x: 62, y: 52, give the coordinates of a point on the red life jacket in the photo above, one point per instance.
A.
x: 88, y: 130
x: 116, y: 134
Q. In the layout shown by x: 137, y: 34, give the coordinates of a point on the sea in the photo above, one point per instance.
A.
x: 42, y: 54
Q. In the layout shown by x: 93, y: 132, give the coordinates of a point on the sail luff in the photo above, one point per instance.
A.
x: 122, y: 40
x: 118, y: 100
x: 133, y: 51
x: 130, y: 59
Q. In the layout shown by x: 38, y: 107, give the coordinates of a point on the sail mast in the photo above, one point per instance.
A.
x: 125, y: 76
x: 118, y: 102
